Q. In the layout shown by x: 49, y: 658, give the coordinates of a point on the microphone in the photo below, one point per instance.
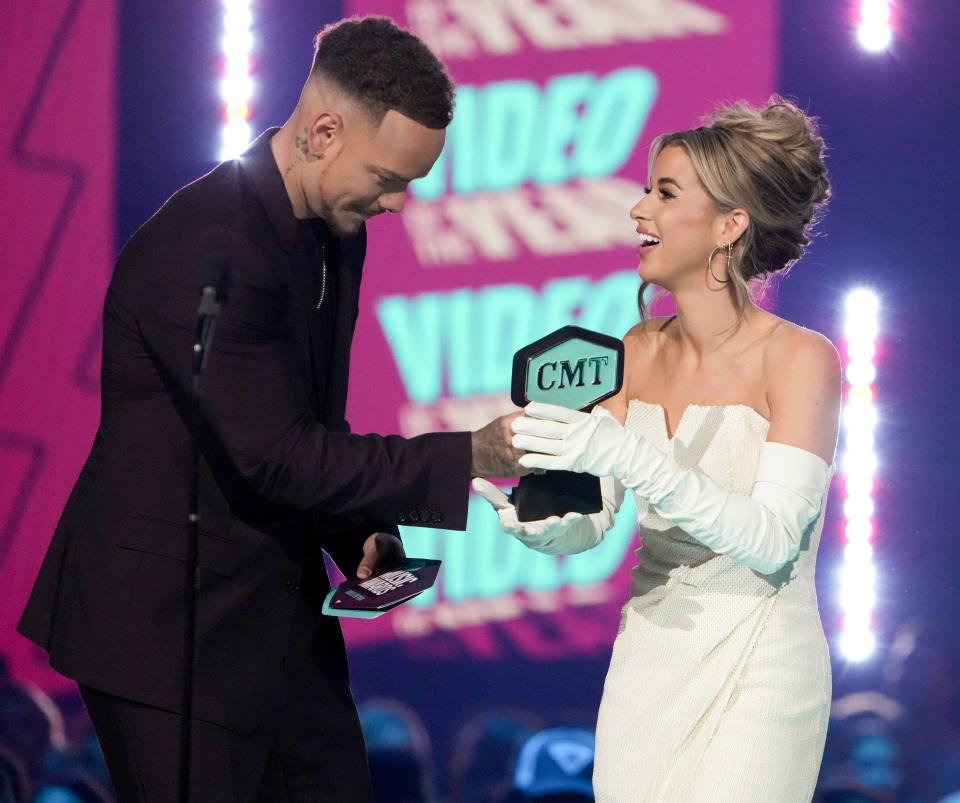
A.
x: 216, y: 280
x: 216, y: 277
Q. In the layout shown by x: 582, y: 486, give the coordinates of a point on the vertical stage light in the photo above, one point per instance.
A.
x: 875, y: 29
x: 237, y: 86
x: 858, y: 465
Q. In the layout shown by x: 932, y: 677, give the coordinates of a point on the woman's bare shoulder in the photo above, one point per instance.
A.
x: 796, y: 349
x: 641, y: 345
x: 803, y: 389
x: 647, y: 333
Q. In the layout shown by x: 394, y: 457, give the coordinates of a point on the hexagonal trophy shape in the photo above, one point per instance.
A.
x: 575, y: 368
x: 572, y: 367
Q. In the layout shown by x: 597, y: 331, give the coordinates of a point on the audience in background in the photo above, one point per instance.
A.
x: 37, y: 761
x: 863, y: 759
x: 897, y: 743
x: 485, y: 755
x: 30, y: 725
x: 900, y: 744
x: 399, y: 752
x: 555, y: 766
x: 13, y: 777
x: 921, y: 673
x: 71, y: 789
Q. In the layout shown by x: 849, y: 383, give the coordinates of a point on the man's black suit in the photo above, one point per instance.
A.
x: 281, y: 474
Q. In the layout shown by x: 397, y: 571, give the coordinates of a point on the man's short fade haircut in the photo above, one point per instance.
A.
x: 385, y: 67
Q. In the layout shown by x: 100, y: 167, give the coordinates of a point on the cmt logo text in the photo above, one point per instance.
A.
x: 571, y: 374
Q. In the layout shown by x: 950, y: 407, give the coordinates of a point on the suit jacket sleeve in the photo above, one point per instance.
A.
x: 256, y: 402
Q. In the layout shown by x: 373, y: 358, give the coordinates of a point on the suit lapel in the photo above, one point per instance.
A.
x: 325, y: 371
x: 347, y: 298
x: 303, y: 269
x: 261, y: 168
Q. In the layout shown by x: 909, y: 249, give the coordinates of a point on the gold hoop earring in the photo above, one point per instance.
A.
x: 729, y: 256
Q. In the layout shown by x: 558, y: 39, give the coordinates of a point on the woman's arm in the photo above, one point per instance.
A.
x: 764, y: 530
x: 803, y: 391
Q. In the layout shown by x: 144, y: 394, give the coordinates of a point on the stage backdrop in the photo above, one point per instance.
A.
x: 523, y: 227
x: 520, y: 229
x: 57, y: 151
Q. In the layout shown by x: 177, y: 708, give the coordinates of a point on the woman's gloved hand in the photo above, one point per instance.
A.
x: 556, y: 535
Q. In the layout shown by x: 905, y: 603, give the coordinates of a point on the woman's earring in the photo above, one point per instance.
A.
x: 713, y: 253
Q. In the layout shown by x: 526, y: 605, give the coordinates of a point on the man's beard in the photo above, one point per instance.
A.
x: 347, y: 221
x: 339, y: 230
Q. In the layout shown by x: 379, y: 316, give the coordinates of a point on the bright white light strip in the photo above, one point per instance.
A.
x: 236, y: 88
x: 858, y: 645
x: 875, y: 32
x: 858, y: 574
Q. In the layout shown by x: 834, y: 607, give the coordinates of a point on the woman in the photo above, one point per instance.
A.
x: 725, y: 429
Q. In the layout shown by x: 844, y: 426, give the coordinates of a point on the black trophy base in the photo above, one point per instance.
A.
x: 555, y: 493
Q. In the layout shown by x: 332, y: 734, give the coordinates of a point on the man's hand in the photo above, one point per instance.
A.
x: 381, y: 551
x: 493, y: 453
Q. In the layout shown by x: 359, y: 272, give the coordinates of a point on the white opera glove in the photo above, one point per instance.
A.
x: 556, y: 535
x: 762, y: 531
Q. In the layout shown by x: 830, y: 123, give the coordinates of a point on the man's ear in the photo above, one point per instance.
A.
x: 323, y: 135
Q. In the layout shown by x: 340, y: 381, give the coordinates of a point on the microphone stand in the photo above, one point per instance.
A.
x: 206, y: 322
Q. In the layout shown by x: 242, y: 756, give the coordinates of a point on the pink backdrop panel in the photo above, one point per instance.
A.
x: 695, y: 72
x: 446, y: 273
x: 57, y: 147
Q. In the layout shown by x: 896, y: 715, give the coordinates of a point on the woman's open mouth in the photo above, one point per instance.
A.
x: 648, y: 241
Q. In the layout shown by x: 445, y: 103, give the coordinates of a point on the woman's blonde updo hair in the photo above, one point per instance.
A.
x: 768, y: 161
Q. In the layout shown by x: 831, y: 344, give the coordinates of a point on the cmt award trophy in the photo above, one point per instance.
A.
x: 575, y: 368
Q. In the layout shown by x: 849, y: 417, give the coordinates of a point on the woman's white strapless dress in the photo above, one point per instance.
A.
x: 719, y: 683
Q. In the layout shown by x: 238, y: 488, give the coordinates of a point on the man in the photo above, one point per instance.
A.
x: 281, y: 474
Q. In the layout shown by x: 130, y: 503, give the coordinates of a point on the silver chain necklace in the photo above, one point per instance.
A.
x: 323, y: 274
